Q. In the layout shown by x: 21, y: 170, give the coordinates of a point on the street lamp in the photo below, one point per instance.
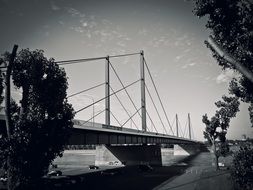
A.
x: 93, y: 106
x: 131, y: 120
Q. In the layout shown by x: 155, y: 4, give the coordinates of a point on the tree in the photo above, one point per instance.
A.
x: 1, y: 81
x: 41, y: 122
x: 216, y: 127
x: 242, y: 167
x: 231, y: 26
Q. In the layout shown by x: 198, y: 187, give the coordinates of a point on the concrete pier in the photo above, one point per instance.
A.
x: 128, y: 154
x: 186, y: 149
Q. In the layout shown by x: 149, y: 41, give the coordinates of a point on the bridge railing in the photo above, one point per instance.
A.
x: 90, y: 125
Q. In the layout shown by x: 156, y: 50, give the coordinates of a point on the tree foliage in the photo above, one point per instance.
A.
x: 231, y: 25
x: 1, y: 80
x: 41, y: 122
x: 216, y: 127
x: 242, y: 170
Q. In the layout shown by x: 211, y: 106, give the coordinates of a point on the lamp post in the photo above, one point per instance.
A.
x: 93, y: 107
x: 131, y: 120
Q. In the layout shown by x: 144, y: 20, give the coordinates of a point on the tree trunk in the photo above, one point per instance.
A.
x: 215, y: 155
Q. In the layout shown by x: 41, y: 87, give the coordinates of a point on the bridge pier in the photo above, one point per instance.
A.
x: 186, y: 149
x: 128, y: 154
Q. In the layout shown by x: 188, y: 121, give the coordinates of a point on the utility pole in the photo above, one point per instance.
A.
x: 143, y: 98
x: 177, y: 124
x: 8, y: 90
x: 107, y: 91
x: 7, y: 97
x: 189, y: 125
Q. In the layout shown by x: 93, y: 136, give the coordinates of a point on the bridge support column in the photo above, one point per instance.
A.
x: 107, y: 92
x: 143, y: 96
x: 189, y: 126
x: 186, y: 149
x: 128, y: 154
x: 177, y: 125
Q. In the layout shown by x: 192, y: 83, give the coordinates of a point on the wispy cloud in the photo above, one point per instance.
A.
x: 191, y: 64
x: 54, y: 7
x: 61, y: 22
x: 83, y: 100
x: 74, y: 12
x: 226, y: 76
x: 97, y: 31
x: 143, y: 32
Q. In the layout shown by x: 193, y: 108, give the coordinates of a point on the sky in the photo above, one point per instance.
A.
x: 186, y: 75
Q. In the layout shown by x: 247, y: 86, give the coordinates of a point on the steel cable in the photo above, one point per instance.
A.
x: 124, y: 107
x: 106, y: 96
x: 158, y: 95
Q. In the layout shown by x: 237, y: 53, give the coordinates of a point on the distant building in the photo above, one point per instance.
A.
x: 244, y: 138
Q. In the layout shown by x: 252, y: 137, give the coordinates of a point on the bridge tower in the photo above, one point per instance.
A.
x: 143, y: 97
x: 189, y: 125
x: 177, y: 124
x: 107, y: 91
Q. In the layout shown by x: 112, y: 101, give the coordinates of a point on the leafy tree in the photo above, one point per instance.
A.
x: 231, y: 26
x: 216, y: 127
x: 242, y: 170
x: 41, y: 122
x: 1, y: 81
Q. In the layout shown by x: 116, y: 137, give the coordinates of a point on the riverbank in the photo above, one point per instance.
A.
x: 125, y: 178
x: 201, y: 175
x: 189, y: 173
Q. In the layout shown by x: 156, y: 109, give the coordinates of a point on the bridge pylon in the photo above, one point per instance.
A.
x: 143, y: 96
x: 107, y: 91
x: 177, y: 125
x: 189, y: 126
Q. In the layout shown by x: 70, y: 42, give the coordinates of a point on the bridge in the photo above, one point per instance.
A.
x: 121, y: 143
x: 124, y: 144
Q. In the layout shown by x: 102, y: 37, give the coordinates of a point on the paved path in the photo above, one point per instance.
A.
x: 199, y: 176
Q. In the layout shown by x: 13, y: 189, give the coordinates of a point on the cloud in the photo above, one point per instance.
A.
x: 120, y: 43
x: 83, y: 100
x: 143, y: 32
x: 226, y: 76
x: 177, y: 58
x: 54, y: 7
x: 61, y: 22
x: 97, y: 31
x: 77, y: 29
x: 85, y: 24
x: 191, y: 64
x: 75, y: 13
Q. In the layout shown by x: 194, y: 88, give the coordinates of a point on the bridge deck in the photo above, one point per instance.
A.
x: 95, y: 133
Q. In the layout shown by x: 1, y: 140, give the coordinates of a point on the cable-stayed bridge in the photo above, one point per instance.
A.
x: 121, y: 142
x: 140, y: 112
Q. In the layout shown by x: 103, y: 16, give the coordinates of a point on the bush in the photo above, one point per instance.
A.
x: 242, y: 170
